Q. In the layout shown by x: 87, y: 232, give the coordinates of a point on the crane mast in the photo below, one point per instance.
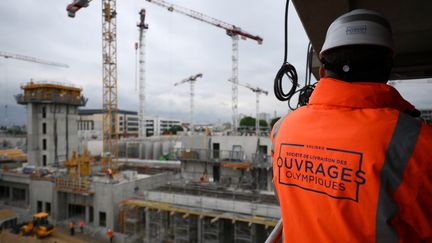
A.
x: 191, y: 80
x: 231, y: 30
x: 31, y: 59
x: 109, y: 78
x: 257, y: 91
x: 142, y: 26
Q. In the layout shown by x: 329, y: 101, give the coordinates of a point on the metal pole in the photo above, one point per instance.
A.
x: 276, y: 235
x: 234, y: 79
x: 142, y: 124
x: 257, y: 126
x: 192, y: 94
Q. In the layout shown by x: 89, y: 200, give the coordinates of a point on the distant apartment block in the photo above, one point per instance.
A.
x: 156, y: 126
x: 90, y: 123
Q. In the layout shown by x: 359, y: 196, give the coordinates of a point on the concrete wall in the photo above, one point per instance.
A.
x: 65, y: 127
x: 44, y: 192
x: 108, y: 195
x: 195, y: 142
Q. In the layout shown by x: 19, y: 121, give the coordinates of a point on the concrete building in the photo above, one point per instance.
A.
x: 156, y: 126
x: 426, y: 115
x: 224, y: 192
x: 90, y: 123
x: 51, y: 121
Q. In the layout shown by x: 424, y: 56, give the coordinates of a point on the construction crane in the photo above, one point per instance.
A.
x: 191, y: 80
x: 109, y: 78
x: 232, y: 31
x: 31, y: 59
x: 257, y: 91
x: 142, y: 26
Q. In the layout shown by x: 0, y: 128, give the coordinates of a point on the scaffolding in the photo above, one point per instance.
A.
x: 185, y: 228
x: 243, y: 232
x: 211, y: 230
x: 173, y: 209
x: 165, y: 222
x: 51, y: 92
x: 73, y: 185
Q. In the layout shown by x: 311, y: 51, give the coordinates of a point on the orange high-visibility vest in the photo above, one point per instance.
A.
x: 110, y: 233
x: 352, y: 166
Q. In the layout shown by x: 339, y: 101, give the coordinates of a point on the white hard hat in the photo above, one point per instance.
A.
x: 358, y: 27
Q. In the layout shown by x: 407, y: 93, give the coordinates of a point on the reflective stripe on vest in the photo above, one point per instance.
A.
x: 275, y: 131
x: 399, y: 151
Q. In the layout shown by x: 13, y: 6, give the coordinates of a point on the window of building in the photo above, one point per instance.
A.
x: 44, y: 112
x: 18, y: 194
x: 4, y: 192
x: 48, y: 207
x: 39, y: 207
x: 102, y: 219
x: 44, y: 160
x: 44, y: 129
x: 44, y: 144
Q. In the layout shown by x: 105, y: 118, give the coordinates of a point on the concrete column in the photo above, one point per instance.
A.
x: 140, y: 150
x: 87, y: 214
x: 199, y: 230
x: 147, y: 226
x: 10, y: 193
x: 269, y: 179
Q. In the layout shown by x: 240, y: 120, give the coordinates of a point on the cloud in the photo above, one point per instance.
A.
x: 176, y: 47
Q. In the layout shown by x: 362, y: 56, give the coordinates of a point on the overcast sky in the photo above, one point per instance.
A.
x: 176, y: 47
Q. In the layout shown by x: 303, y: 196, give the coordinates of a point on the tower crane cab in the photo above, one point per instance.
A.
x: 75, y: 6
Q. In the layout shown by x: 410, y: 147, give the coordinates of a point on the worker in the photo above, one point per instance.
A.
x: 354, y: 165
x: 110, y: 235
x: 72, y: 227
x: 110, y: 173
x: 81, y: 226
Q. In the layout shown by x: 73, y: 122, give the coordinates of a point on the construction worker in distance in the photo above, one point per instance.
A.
x: 110, y: 173
x: 81, y: 226
x: 110, y: 234
x: 72, y: 228
x: 354, y: 165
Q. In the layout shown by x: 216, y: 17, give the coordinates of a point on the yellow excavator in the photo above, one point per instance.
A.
x: 39, y: 226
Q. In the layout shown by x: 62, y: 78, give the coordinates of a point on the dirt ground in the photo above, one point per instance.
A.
x: 60, y: 235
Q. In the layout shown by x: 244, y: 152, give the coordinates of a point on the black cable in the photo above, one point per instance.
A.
x: 286, y: 69
x: 290, y: 72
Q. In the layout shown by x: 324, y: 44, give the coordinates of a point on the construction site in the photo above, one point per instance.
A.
x: 206, y: 189
x: 110, y: 175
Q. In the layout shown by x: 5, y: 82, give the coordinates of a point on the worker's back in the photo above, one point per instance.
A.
x: 350, y: 167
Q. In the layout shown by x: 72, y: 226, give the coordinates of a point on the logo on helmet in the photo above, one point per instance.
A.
x: 357, y: 29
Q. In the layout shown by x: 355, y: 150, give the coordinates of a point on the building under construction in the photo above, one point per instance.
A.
x: 177, y: 188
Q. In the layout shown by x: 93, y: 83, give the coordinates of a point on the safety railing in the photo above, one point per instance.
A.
x: 74, y: 185
x: 208, y: 155
x: 260, y: 158
x: 276, y: 234
x: 53, y: 98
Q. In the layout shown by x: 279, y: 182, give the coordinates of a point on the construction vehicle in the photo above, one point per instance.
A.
x: 39, y: 226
